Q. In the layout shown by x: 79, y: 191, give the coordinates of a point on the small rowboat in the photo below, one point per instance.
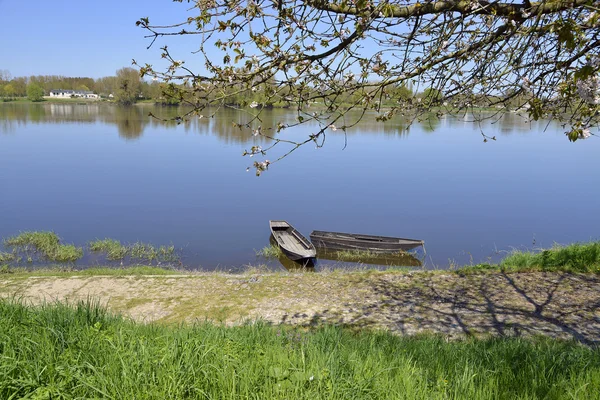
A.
x: 360, y: 242
x: 291, y: 242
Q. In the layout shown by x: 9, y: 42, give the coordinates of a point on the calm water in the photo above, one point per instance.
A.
x: 95, y: 171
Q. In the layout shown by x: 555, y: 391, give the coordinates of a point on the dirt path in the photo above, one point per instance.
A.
x: 553, y: 304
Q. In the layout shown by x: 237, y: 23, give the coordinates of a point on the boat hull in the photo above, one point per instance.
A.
x: 291, y: 242
x: 360, y: 242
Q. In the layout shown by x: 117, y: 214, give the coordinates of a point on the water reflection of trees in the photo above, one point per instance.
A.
x: 130, y: 122
x: 429, y: 122
x: 497, y: 123
x: 229, y: 125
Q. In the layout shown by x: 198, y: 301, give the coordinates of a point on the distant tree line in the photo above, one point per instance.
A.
x: 125, y: 86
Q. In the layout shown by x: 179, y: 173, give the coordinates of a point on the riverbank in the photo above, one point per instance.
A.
x: 555, y: 304
x: 526, y: 328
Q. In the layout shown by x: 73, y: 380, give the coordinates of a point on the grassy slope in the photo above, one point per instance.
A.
x: 578, y: 257
x: 55, y: 351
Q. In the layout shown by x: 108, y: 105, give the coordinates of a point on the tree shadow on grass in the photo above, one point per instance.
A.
x: 559, y: 305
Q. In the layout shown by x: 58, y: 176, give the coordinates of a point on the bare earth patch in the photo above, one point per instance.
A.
x: 553, y: 304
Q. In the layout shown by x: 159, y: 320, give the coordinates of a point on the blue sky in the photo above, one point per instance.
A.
x: 84, y: 38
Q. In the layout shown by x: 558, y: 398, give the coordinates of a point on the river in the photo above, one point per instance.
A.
x: 95, y: 170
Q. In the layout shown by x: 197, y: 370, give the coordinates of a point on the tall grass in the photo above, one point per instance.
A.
x: 57, y: 351
x: 47, y: 244
x: 578, y: 257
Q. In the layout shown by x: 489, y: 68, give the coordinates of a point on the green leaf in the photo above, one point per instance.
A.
x: 583, y: 72
x: 566, y: 35
x: 536, y: 110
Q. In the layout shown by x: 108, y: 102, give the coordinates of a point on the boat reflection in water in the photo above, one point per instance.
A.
x: 307, y: 264
x: 400, y: 259
x: 347, y: 259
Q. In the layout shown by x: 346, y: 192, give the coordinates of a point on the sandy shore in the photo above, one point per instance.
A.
x: 553, y: 304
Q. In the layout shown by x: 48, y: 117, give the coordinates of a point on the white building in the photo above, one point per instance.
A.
x: 69, y: 94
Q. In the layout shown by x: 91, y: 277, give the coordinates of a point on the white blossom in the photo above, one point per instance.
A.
x: 585, y: 133
x: 589, y: 90
x: 526, y: 85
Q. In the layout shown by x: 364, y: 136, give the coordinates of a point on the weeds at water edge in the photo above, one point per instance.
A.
x: 45, y: 243
x: 270, y: 252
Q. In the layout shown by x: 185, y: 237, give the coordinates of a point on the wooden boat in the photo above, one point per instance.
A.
x: 291, y: 242
x: 303, y: 265
x: 360, y: 242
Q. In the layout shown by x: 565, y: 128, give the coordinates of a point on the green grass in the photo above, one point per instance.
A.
x: 7, y: 257
x: 113, y: 248
x: 270, y: 252
x: 135, y: 270
x: 61, y: 271
x: 578, y: 257
x: 575, y: 258
x: 46, y: 243
x: 144, y: 251
x: 138, y: 251
x: 57, y: 351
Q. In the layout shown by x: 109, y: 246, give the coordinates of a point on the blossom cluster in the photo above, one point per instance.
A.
x: 589, y: 89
